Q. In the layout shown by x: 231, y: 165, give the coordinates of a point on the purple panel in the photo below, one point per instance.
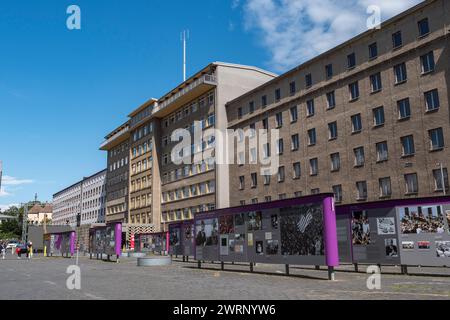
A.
x: 330, y: 233
x: 118, y: 232
x: 72, y: 243
x: 59, y: 238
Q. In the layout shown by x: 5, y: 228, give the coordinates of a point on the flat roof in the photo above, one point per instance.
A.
x: 80, y: 181
x: 117, y: 130
x: 142, y: 107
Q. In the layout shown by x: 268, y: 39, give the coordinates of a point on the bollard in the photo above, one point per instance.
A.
x: 199, y: 263
x: 184, y: 259
x: 287, y: 269
x: 222, y: 265
x: 356, y: 267
x: 317, y: 267
x: 251, y: 266
x: 187, y: 258
x: 331, y: 274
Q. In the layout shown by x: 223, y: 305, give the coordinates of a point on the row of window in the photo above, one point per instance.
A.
x: 186, y: 213
x: 142, y: 132
x: 96, y: 214
x: 141, y: 202
x: 118, y: 164
x: 185, y: 111
x: 119, y: 149
x: 143, y: 218
x: 194, y: 190
x: 140, y: 166
x: 384, y: 185
x: 209, y: 121
x: 431, y: 97
x: 187, y: 171
x: 117, y: 209
x: 400, y: 70
x: 140, y: 184
x: 141, y: 149
x: 94, y: 203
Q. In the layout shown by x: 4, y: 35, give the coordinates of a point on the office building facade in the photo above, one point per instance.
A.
x: 368, y: 120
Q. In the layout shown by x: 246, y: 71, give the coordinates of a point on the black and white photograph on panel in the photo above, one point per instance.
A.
x: 302, y: 231
x: 360, y: 228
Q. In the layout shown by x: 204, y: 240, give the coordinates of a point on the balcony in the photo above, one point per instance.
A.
x: 185, y: 95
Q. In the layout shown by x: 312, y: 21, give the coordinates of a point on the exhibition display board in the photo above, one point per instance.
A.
x: 106, y: 239
x: 294, y: 231
x: 152, y: 242
x: 60, y: 244
x: 181, y: 238
x: 414, y: 232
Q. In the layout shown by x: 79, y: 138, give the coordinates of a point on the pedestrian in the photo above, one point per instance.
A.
x: 30, y: 250
x: 3, y: 250
x: 19, y: 255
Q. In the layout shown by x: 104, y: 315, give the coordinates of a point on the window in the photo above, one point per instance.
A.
x: 404, y: 110
x: 267, y: 178
x: 240, y: 113
x: 382, y: 151
x: 254, y: 180
x: 252, y: 128
x: 280, y: 146
x: 332, y: 131
x: 315, y: 191
x: 253, y: 159
x: 375, y: 82
x: 251, y: 107
x: 281, y: 174
x: 424, y: 27
x: 266, y: 150
x: 385, y: 187
x: 308, y: 80
x: 411, y: 183
x: 314, y: 167
x: 408, y: 148
x: 241, y: 183
x: 438, y: 174
x: 400, y: 73
x: 427, y: 62
x: 432, y: 100
x: 378, y: 116
x: 354, y: 91
x: 359, y: 156
x: 310, y: 110
x: 295, y: 143
x: 373, y: 51
x: 298, y: 194
x: 294, y: 114
x: 211, y: 120
x: 265, y: 123
x: 279, y: 119
x: 351, y: 61
x: 361, y: 189
x: 241, y: 159
x: 282, y: 196
x: 337, y: 190
x: 312, y: 137
x: 254, y: 200
x: 264, y: 101
x: 277, y: 94
x: 165, y: 159
x: 329, y: 71
x: 297, y: 170
x: 267, y: 198
x: 331, y: 100
x: 397, y: 41
x: 436, y: 139
x: 335, y: 162
x: 356, y: 123
x: 292, y: 88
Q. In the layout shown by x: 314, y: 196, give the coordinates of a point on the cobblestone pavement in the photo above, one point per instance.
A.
x: 45, y: 278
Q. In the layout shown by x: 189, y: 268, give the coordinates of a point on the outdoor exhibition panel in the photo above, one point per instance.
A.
x: 152, y: 242
x: 295, y: 231
x: 60, y: 244
x: 106, y: 239
x: 411, y: 232
x: 181, y: 238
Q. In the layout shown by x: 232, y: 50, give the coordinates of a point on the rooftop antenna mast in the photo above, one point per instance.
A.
x: 184, y: 38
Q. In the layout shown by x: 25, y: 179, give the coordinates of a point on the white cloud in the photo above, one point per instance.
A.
x: 12, y: 181
x: 3, y: 193
x: 294, y: 31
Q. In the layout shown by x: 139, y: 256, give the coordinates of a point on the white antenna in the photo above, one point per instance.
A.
x: 184, y: 38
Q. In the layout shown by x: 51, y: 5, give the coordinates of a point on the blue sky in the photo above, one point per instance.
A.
x: 62, y: 91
